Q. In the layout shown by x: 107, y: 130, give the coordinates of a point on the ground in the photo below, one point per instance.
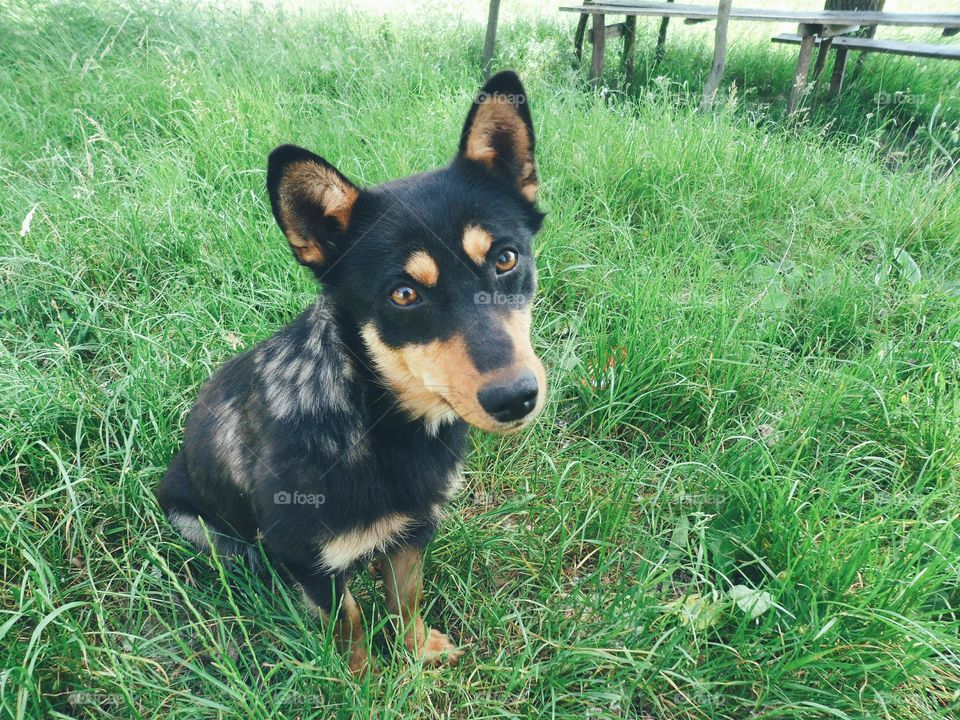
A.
x: 742, y: 499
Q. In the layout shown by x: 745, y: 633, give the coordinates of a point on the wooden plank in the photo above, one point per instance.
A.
x: 892, y: 47
x: 596, y: 60
x: 810, y: 17
x: 800, y: 78
x: 614, y: 31
x: 490, y: 41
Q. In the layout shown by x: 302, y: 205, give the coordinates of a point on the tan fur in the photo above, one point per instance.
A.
x: 422, y: 268
x: 517, y: 325
x: 347, y: 632
x: 476, y: 243
x: 431, y: 379
x: 415, y: 397
x: 342, y: 551
x: 403, y: 585
x: 530, y: 190
x: 313, y: 183
x: 496, y: 116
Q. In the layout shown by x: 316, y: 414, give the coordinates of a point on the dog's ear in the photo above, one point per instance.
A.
x: 498, y: 133
x: 312, y: 202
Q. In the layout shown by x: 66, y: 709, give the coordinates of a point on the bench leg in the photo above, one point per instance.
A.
x: 800, y: 79
x: 578, y: 36
x: 599, y: 44
x: 629, y: 41
x: 661, y: 39
x: 490, y: 40
x: 839, y: 66
x: 712, y: 84
x: 825, y: 44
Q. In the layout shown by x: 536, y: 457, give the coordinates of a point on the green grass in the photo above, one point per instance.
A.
x: 752, y: 329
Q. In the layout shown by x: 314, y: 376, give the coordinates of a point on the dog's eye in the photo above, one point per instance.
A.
x: 507, y: 260
x: 404, y: 296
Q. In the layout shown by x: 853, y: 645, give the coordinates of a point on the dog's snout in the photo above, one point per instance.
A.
x: 512, y: 399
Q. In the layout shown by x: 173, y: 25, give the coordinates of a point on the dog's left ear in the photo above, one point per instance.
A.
x: 312, y: 202
x: 498, y: 133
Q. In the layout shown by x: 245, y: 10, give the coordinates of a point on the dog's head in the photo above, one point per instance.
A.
x: 436, y: 271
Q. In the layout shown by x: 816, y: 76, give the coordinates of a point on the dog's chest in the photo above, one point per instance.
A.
x: 340, y: 551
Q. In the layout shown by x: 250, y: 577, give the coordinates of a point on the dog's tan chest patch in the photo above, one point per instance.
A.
x: 342, y: 551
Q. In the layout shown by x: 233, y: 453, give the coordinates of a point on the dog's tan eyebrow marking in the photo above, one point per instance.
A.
x: 422, y: 268
x: 476, y: 243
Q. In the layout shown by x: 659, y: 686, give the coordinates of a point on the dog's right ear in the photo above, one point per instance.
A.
x: 498, y: 133
x: 312, y: 203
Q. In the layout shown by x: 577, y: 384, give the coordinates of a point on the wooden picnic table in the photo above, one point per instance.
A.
x: 657, y: 8
x: 811, y: 26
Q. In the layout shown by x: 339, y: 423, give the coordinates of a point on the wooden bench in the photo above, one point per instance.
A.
x: 812, y: 25
x: 843, y: 45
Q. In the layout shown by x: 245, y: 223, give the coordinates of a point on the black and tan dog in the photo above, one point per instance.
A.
x: 339, y: 439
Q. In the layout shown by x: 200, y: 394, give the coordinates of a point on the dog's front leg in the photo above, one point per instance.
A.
x: 403, y: 585
x: 333, y: 600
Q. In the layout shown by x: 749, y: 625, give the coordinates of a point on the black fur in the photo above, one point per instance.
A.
x: 361, y: 455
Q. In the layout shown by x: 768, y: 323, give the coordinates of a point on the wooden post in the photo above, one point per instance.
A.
x: 825, y: 44
x: 629, y: 40
x: 490, y: 40
x: 839, y: 65
x: 803, y: 65
x: 599, y: 44
x: 719, y: 55
x: 661, y: 39
x: 578, y: 35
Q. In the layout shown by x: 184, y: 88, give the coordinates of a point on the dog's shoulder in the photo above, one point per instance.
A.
x: 304, y: 370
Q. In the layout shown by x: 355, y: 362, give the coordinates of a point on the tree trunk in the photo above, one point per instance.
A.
x: 865, y: 5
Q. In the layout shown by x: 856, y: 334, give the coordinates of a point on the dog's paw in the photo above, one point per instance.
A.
x: 438, y: 649
x: 360, y: 664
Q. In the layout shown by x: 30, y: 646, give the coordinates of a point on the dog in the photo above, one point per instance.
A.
x: 337, y: 441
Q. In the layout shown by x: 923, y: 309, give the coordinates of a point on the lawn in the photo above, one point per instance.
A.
x: 742, y: 500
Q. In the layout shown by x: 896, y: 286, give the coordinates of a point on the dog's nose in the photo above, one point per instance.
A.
x: 510, y: 400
